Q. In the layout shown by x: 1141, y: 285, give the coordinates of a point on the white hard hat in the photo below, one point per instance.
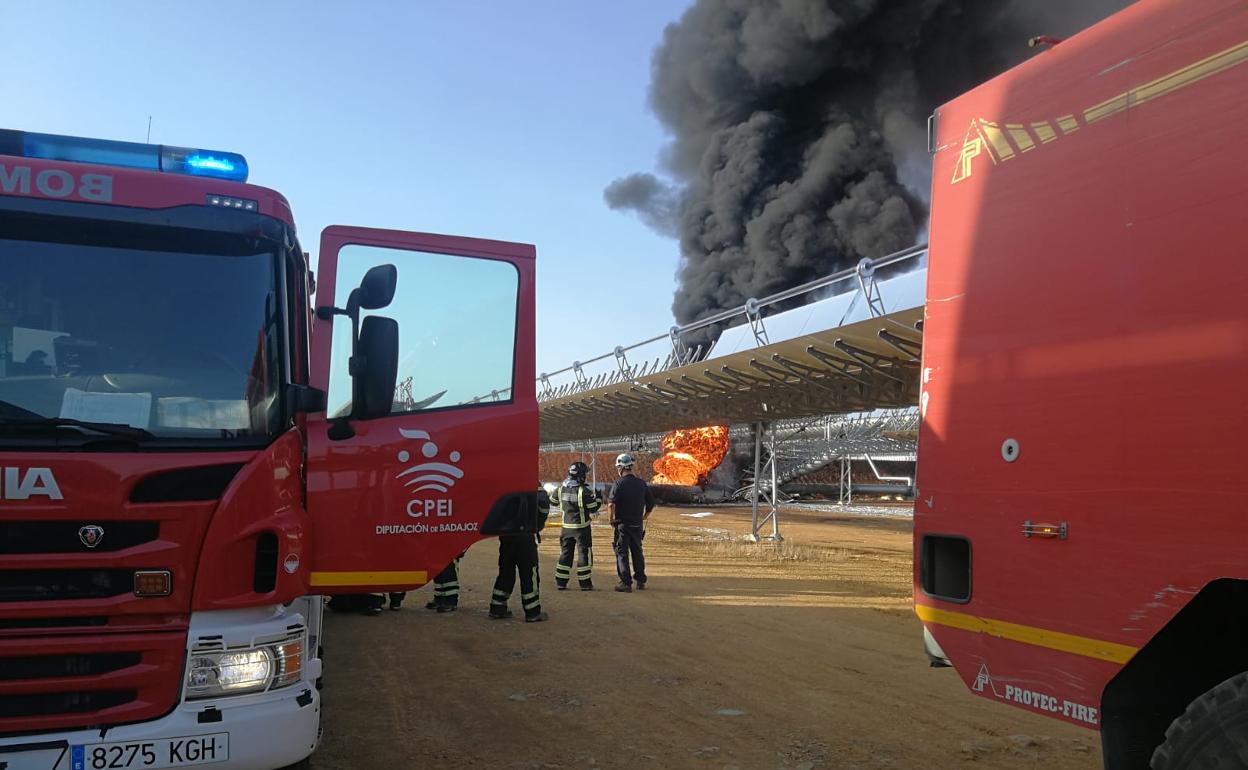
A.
x: 624, y: 461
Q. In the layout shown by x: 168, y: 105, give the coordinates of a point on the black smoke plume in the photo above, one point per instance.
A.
x: 798, y: 140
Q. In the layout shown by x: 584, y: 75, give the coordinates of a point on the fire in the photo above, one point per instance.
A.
x: 690, y: 454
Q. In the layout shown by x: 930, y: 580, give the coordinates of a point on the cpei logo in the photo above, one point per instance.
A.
x: 428, y: 477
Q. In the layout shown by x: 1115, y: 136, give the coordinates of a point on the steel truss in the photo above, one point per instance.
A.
x: 861, y: 366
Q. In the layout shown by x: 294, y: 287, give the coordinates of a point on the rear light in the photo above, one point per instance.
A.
x: 153, y: 582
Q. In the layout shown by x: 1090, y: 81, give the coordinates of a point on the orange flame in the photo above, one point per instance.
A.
x: 690, y: 454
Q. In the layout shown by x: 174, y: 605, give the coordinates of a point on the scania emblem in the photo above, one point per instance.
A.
x: 91, y: 535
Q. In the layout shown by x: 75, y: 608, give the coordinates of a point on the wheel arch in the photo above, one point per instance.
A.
x: 1202, y: 646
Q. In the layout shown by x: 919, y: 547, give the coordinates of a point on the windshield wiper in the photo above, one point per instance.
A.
x: 54, y: 423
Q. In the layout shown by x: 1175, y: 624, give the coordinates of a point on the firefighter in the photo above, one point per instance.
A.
x: 576, y: 502
x: 517, y: 554
x: 445, y: 588
x: 628, y: 506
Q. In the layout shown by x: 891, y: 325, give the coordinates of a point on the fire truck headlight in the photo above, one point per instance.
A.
x: 236, y: 672
x: 243, y: 671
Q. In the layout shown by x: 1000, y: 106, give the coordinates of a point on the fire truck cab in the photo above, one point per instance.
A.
x: 198, y: 439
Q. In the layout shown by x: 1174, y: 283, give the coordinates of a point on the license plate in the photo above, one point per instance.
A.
x: 164, y: 752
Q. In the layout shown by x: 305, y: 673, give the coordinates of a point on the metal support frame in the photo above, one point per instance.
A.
x: 772, y: 496
x: 753, y: 314
x: 870, y: 289
x: 846, y: 495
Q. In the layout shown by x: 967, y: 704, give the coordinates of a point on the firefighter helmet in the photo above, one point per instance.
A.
x: 578, y: 470
x: 624, y: 461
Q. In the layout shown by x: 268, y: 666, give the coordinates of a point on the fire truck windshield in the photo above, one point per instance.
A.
x: 176, y: 344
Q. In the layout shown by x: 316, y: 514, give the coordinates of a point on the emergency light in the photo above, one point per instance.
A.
x: 104, y: 152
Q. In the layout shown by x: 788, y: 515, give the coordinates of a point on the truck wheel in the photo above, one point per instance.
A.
x: 1212, y: 734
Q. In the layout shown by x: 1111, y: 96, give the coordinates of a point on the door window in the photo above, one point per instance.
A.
x: 457, y: 328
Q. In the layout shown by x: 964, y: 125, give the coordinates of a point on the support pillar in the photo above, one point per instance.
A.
x: 772, y: 497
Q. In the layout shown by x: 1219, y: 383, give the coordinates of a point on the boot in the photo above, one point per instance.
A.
x: 431, y: 605
x: 502, y: 614
x: 624, y: 588
x: 538, y: 618
x: 446, y: 608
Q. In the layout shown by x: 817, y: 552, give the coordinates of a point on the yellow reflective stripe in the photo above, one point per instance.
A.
x: 1015, y: 632
x: 323, y: 579
x: 1166, y: 83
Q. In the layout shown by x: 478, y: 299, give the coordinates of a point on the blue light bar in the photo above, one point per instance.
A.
x: 104, y: 152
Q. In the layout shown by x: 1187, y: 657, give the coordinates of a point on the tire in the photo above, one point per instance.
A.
x: 1212, y: 734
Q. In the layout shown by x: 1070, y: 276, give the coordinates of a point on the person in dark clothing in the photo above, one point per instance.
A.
x: 445, y: 589
x: 576, y: 503
x: 629, y: 505
x: 396, y: 599
x: 517, y: 553
x: 368, y: 604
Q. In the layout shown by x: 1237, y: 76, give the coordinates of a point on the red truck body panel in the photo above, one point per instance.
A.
x: 128, y: 187
x: 1085, y: 299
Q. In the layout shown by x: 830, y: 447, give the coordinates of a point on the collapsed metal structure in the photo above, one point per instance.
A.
x: 789, y: 377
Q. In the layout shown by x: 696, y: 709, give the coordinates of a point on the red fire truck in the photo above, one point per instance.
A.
x: 192, y: 448
x: 1081, y: 547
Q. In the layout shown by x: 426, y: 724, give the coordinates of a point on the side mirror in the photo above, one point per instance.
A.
x: 375, y: 368
x: 374, y: 363
x: 377, y: 287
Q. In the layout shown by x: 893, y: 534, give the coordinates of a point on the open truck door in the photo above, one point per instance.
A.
x: 425, y: 347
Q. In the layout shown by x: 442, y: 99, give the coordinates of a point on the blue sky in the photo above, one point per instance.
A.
x: 496, y: 120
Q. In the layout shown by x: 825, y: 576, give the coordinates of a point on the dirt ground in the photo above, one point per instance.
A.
x: 805, y: 655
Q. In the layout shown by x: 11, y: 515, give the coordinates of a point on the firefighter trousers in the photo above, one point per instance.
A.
x: 446, y: 586
x: 517, y: 555
x: 569, y: 540
x: 627, y: 543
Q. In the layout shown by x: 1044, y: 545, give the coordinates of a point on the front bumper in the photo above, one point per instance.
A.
x: 266, y: 732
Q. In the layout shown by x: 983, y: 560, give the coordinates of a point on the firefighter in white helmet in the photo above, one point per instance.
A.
x: 629, y: 505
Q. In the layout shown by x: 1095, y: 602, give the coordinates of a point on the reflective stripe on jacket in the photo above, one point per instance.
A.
x: 576, y: 502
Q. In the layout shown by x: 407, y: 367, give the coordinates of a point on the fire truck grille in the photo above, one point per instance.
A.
x: 72, y: 681
x: 29, y: 585
x: 48, y: 704
x: 27, y: 537
x: 56, y: 666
